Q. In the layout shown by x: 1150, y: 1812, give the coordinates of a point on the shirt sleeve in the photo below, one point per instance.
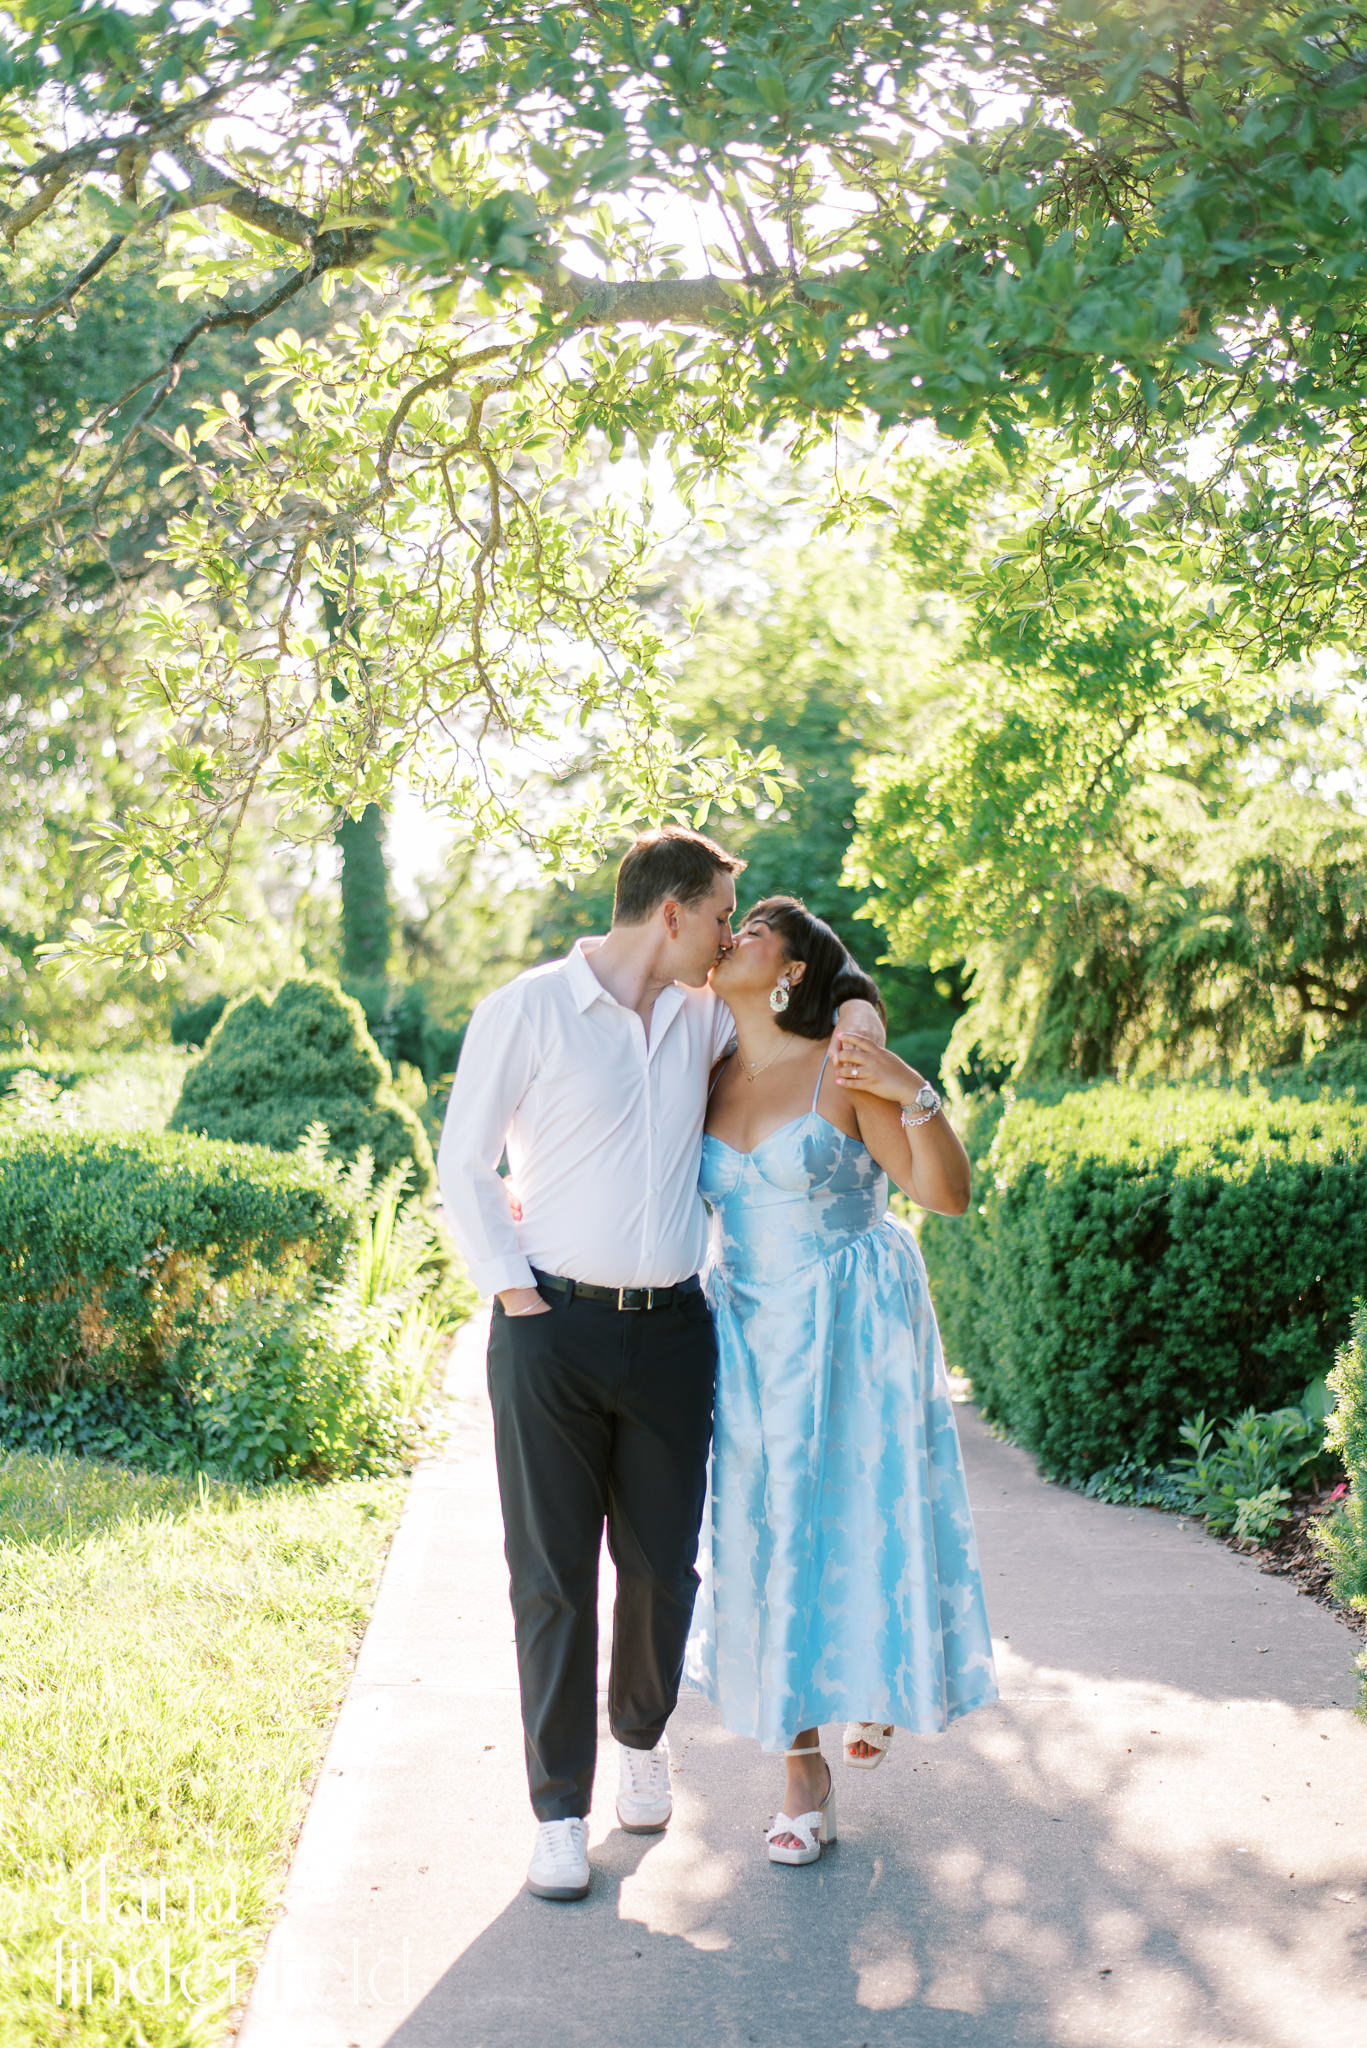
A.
x: 723, y: 1030
x: 496, y: 1068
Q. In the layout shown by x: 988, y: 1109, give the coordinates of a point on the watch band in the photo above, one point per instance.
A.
x: 910, y: 1123
x: 928, y: 1100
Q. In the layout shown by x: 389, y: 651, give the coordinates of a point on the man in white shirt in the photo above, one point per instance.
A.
x: 592, y: 1071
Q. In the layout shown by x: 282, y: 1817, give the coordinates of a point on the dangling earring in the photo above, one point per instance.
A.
x: 778, y: 995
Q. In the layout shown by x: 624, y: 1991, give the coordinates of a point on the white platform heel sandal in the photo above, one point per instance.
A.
x: 813, y: 1830
x: 875, y: 1735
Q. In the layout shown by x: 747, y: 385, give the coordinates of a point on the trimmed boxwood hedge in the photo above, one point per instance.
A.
x: 273, y: 1067
x: 1134, y: 1255
x: 112, y: 1248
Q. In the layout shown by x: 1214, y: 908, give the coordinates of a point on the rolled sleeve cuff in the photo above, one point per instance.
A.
x: 496, y: 1276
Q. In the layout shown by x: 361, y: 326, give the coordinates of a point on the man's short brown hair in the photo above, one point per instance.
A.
x: 672, y: 862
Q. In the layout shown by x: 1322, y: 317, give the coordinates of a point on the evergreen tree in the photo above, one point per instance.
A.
x: 367, y: 923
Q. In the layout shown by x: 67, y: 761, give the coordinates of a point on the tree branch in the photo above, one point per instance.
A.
x: 13, y: 219
x: 211, y: 185
x: 67, y: 292
x: 168, y: 377
x: 594, y: 302
x: 677, y: 301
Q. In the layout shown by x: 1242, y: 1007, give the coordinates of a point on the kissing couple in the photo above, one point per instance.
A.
x: 677, y: 1099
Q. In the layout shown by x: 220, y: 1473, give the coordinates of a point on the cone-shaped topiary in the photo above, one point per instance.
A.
x: 192, y: 1026
x: 271, y: 1068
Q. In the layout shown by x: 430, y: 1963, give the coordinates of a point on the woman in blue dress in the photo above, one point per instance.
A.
x: 838, y: 1565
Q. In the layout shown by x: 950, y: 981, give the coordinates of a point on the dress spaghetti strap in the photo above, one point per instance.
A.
x: 816, y: 1092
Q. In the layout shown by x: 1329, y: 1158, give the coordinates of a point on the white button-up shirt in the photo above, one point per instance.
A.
x: 603, y: 1129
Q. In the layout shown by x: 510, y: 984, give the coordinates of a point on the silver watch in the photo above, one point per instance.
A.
x: 927, y: 1102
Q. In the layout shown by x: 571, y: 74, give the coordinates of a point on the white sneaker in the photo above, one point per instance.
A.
x: 559, y: 1868
x: 644, y: 1799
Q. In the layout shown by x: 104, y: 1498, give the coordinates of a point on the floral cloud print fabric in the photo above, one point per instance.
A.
x: 838, y: 1563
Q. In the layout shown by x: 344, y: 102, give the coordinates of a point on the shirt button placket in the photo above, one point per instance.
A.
x: 648, y: 1203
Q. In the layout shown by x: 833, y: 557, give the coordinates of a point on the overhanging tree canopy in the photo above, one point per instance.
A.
x: 1131, y: 236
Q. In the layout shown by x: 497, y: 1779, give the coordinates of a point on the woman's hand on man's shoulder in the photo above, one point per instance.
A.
x: 857, y: 1015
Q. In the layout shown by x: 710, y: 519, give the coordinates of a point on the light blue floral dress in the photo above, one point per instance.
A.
x: 838, y: 1565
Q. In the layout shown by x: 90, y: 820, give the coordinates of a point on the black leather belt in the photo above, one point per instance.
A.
x: 617, y: 1297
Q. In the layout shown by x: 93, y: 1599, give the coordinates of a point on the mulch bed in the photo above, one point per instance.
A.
x: 1294, y: 1554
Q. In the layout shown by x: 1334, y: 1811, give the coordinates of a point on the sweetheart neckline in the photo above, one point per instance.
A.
x: 777, y: 1132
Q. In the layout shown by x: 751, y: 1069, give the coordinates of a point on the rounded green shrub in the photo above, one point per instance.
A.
x: 1134, y: 1256
x: 115, y: 1251
x: 273, y: 1067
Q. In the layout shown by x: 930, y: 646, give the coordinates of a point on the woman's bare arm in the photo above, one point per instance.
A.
x: 928, y: 1163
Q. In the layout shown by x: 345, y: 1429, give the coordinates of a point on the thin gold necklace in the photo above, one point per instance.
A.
x: 752, y: 1072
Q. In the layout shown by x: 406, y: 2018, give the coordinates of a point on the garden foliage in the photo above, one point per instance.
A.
x: 1135, y: 1257
x: 117, y: 1253
x: 396, y: 1014
x: 1154, y: 239
x: 273, y: 1067
x: 1241, y: 1478
x: 63, y: 1069
x: 1117, y: 848
x: 178, y: 1304
x: 92, y: 1091
x: 1346, y: 1536
x: 331, y: 1380
x: 192, y: 1025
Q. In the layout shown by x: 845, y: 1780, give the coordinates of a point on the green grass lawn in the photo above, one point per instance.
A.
x: 172, y: 1656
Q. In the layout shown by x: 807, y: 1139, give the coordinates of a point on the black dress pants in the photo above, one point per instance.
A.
x: 600, y: 1415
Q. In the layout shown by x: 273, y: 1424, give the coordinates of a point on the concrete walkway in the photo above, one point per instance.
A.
x: 1159, y: 1836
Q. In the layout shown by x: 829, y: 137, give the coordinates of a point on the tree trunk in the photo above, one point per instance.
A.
x: 367, y: 929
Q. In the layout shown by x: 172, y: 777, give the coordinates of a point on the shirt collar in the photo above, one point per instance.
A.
x: 586, y: 989
x: 584, y: 983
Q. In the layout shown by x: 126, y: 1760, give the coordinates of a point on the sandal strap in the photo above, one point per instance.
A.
x: 806, y: 1826
x: 873, y: 1733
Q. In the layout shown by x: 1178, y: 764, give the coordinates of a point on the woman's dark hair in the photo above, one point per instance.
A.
x: 832, y: 977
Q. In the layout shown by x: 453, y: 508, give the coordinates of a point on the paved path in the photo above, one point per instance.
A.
x: 1158, y: 1838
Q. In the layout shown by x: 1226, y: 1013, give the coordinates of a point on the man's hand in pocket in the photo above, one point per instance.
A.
x: 523, y: 1301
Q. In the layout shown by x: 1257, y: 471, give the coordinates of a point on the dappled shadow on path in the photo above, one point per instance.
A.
x: 1043, y: 1874
x: 1155, y: 1839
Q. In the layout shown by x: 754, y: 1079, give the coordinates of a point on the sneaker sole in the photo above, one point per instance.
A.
x: 644, y: 1827
x: 557, y: 1891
